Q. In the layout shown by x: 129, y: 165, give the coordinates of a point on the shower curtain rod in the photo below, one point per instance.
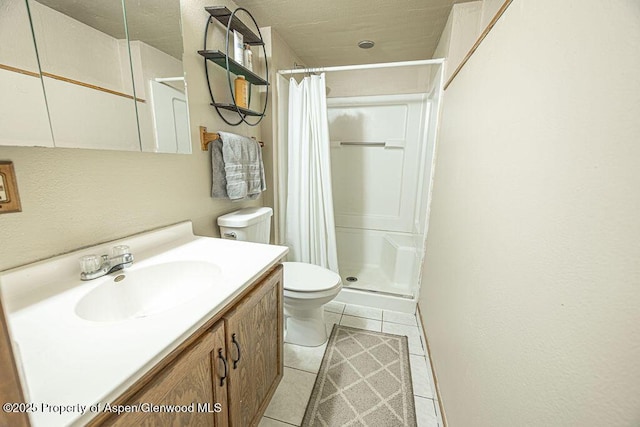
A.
x: 363, y: 66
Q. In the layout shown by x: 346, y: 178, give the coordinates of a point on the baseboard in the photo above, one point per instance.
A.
x: 435, y: 377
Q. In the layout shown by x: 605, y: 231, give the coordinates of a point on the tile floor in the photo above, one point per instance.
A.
x: 301, y: 365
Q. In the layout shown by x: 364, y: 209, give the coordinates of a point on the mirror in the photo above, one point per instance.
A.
x: 24, y: 120
x: 155, y: 41
x: 102, y: 90
x: 84, y: 61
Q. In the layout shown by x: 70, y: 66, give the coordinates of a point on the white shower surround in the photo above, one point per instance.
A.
x: 384, y: 262
x: 378, y: 153
x: 394, y: 257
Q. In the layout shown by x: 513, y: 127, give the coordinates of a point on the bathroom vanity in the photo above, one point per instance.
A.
x: 223, y: 375
x: 213, y: 357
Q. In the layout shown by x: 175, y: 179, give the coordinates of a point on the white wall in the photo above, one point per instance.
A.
x: 379, y: 81
x: 489, y: 10
x: 459, y: 35
x: 531, y: 285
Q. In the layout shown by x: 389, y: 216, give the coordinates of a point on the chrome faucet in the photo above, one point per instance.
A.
x: 94, y: 266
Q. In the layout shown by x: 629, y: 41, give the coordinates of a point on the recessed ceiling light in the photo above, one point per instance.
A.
x: 366, y: 44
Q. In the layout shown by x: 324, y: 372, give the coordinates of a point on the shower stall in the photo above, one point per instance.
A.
x: 382, y: 138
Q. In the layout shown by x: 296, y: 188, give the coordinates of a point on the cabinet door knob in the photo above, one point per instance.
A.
x: 224, y: 362
x: 235, y: 361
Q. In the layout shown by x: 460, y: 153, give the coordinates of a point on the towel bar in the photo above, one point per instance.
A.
x: 364, y: 144
x: 208, y: 137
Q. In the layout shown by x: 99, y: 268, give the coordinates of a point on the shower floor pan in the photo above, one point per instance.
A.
x: 373, y: 279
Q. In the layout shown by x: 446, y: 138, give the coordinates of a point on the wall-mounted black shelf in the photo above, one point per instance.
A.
x: 222, y: 14
x: 221, y: 59
x: 232, y: 107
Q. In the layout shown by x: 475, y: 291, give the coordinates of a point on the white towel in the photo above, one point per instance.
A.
x: 243, y: 167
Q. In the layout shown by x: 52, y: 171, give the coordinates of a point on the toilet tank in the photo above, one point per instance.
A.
x: 249, y: 224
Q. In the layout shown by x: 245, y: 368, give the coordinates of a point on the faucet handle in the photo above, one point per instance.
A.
x: 90, y: 263
x: 120, y: 250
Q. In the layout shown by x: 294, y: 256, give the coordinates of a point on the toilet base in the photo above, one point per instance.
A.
x: 305, y: 327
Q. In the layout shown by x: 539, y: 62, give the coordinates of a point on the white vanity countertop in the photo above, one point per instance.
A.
x: 74, y: 362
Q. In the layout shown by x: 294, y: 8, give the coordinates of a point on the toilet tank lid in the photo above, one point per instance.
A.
x: 245, y: 217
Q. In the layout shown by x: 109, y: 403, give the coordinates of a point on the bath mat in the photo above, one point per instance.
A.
x: 364, y: 380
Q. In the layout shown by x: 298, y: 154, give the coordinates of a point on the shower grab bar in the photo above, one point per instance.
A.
x: 364, y: 144
x: 169, y: 79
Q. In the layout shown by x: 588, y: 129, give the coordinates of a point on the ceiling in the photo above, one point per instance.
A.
x: 320, y: 32
x: 326, y: 32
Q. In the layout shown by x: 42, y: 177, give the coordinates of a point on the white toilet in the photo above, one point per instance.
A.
x: 307, y: 287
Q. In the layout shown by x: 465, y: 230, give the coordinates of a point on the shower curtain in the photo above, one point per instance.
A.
x: 310, y: 227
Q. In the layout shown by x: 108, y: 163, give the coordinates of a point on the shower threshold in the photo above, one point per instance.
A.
x: 377, y: 299
x: 391, y: 294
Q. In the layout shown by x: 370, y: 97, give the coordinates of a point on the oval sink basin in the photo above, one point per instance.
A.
x: 146, y: 291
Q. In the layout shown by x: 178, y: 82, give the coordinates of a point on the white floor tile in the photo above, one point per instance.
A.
x: 420, y: 376
x: 425, y: 413
x: 268, y: 422
x: 436, y: 406
x: 330, y: 319
x: 424, y: 342
x: 415, y: 343
x: 361, y: 311
x: 362, y: 323
x: 432, y: 381
x: 304, y: 358
x: 290, y: 399
x: 335, y: 307
x: 419, y: 324
x: 397, y: 317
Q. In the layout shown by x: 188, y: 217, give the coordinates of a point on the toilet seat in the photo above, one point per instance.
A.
x: 307, y: 288
x: 302, y: 278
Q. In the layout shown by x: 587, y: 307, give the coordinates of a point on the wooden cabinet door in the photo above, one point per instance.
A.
x: 192, y: 379
x: 220, y: 370
x: 254, y: 337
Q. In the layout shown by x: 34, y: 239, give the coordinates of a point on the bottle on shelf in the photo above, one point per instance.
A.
x: 238, y: 50
x: 241, y: 92
x: 248, y: 57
